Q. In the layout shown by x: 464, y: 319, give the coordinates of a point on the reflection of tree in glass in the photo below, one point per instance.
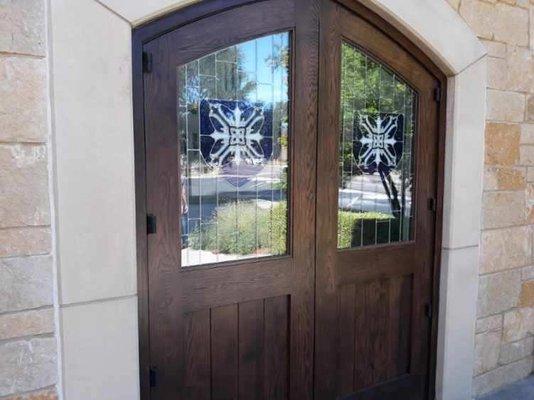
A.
x: 370, y: 88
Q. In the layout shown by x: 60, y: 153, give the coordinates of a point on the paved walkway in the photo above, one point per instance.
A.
x: 521, y: 390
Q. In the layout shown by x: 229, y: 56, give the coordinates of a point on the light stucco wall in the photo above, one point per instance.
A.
x: 93, y: 228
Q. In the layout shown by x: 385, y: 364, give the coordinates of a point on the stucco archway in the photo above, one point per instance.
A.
x: 94, y: 182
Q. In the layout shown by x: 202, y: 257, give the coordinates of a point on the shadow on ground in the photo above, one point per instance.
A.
x: 521, y: 390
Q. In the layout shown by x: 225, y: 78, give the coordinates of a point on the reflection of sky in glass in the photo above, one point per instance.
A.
x: 234, y: 209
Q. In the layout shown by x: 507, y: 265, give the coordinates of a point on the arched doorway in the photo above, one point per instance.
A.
x: 272, y: 272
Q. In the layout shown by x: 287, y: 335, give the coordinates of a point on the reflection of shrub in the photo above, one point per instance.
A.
x: 362, y: 228
x: 243, y: 228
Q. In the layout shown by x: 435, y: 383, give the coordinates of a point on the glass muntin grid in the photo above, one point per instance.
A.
x: 255, y: 72
x: 374, y: 208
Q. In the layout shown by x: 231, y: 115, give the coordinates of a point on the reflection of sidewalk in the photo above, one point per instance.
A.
x: 366, y: 193
x: 247, y: 180
x: 195, y: 257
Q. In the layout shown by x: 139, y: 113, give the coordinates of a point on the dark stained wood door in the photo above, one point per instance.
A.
x: 377, y: 183
x: 230, y: 122
x: 288, y: 159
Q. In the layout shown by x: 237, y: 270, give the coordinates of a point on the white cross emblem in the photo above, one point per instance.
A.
x: 378, y: 142
x: 237, y: 134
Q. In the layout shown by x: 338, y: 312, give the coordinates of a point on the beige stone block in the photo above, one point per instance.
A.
x: 25, y: 282
x: 518, y: 324
x: 495, y: 49
x: 527, y: 273
x: 23, y: 99
x: 454, y: 3
x: 511, y: 25
x: 526, y: 298
x: 87, y: 358
x: 487, y: 348
x: 519, y: 69
x: 530, y: 203
x: 480, y: 17
x: 25, y: 241
x: 22, y: 27
x: 526, y: 155
x: 26, y: 323
x: 514, y: 72
x: 94, y: 152
x: 503, y: 209
x: 501, y: 376
x: 497, y: 73
x: 502, y: 143
x: 527, y: 134
x: 511, y: 352
x: 137, y: 11
x: 530, y: 108
x: 489, y: 324
x: 24, y: 183
x: 498, y: 292
x: 505, y: 106
x: 504, y: 178
x: 503, y: 249
x: 27, y: 365
x: 530, y: 174
x: 465, y: 152
x: 47, y: 394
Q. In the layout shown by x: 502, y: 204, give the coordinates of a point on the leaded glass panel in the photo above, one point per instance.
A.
x: 234, y: 131
x: 376, y: 169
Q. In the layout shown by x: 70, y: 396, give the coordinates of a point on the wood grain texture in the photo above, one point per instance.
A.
x: 383, y: 289
x: 260, y: 342
x: 368, y: 330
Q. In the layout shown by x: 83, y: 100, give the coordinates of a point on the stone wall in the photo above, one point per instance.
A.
x: 505, y: 326
x: 28, y: 356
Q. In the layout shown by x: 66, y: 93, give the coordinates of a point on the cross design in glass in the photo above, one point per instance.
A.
x: 237, y: 133
x: 378, y: 141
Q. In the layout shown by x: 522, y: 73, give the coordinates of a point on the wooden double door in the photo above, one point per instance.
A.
x: 288, y: 167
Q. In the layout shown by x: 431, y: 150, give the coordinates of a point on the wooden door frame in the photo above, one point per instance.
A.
x: 151, y: 30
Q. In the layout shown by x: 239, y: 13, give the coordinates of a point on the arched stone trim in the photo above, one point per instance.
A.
x: 91, y: 88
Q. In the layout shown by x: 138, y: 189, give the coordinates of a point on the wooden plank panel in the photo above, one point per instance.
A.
x: 197, y: 355
x: 396, y: 319
x: 371, y: 323
x: 346, y: 339
x: 224, y: 363
x: 251, y: 349
x: 276, y: 348
x: 379, y: 324
x: 405, y: 326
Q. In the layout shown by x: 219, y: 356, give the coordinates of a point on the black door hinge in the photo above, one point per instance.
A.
x: 428, y: 310
x: 432, y: 204
x: 437, y: 94
x: 151, y: 223
x: 152, y: 377
x: 147, y: 62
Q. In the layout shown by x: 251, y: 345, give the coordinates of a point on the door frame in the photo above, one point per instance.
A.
x: 149, y: 31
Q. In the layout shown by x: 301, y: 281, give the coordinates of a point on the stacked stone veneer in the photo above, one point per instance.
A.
x: 28, y: 356
x: 505, y: 325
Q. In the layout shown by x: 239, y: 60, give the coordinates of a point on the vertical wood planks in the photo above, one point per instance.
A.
x: 224, y: 345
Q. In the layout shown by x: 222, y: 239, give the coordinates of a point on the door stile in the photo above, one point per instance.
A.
x: 305, y: 92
